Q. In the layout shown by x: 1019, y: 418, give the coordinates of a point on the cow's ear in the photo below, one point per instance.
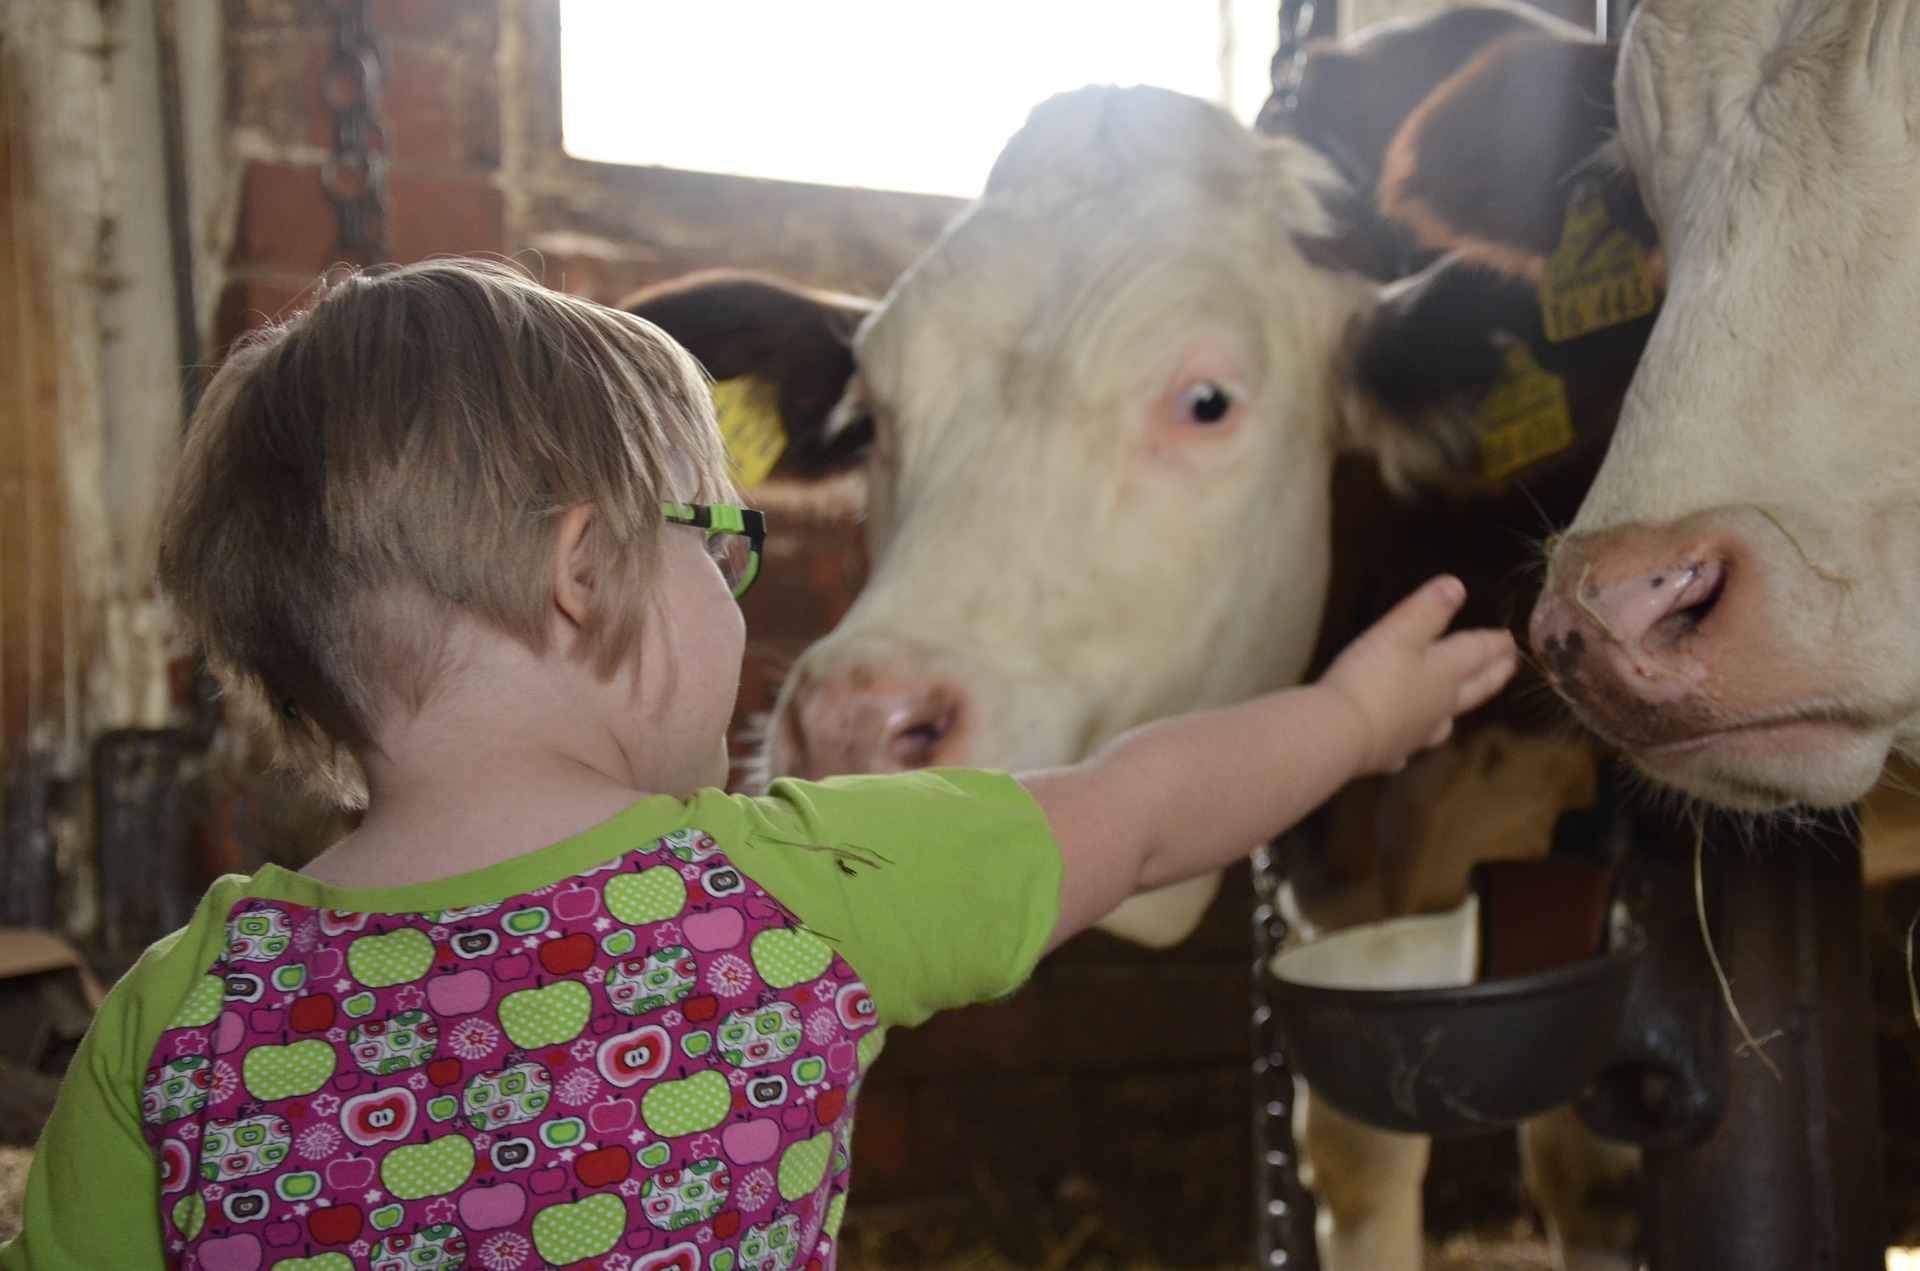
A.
x: 1416, y: 366
x: 1485, y: 166
x: 1354, y: 95
x: 795, y: 341
x: 1422, y: 369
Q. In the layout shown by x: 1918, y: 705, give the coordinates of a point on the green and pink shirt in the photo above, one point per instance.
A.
x: 636, y: 1050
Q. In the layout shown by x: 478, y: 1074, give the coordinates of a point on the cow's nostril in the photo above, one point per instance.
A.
x: 1699, y: 589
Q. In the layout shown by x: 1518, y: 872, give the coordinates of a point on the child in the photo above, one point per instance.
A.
x: 559, y: 999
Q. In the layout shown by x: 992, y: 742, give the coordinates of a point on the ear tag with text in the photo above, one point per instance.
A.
x: 749, y: 418
x: 1524, y: 417
x: 1598, y: 277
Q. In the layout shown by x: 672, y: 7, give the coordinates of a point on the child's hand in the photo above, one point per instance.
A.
x: 1409, y: 683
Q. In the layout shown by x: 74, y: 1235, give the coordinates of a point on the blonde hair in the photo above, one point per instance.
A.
x: 404, y: 449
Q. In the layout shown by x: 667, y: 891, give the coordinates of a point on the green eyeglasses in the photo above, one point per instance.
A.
x: 734, y: 538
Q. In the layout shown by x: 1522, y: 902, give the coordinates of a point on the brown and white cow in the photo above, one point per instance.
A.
x: 1738, y: 600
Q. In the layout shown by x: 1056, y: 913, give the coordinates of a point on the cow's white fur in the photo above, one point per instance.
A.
x: 1775, y: 142
x: 1036, y: 532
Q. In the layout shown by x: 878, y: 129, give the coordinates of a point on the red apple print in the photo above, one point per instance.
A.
x: 567, y: 954
x: 349, y: 1173
x: 813, y: 1264
x: 699, y: 1010
x: 282, y: 1235
x: 575, y: 903
x: 726, y: 1225
x: 545, y: 1182
x: 626, y: 1059
x: 856, y: 1007
x: 443, y: 1072
x: 379, y: 1116
x: 828, y: 1107
x: 680, y: 1257
x: 336, y: 1224
x: 312, y: 1014
x: 604, y: 1167
x: 515, y: 966
x: 610, y: 1117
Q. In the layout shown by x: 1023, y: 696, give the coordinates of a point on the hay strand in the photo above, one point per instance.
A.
x: 1756, y: 1044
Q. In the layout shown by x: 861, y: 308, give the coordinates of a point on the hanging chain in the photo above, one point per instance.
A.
x: 1296, y: 24
x: 355, y: 174
x: 1283, y: 1210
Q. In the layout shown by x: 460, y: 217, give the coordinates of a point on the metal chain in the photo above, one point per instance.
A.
x: 355, y: 174
x: 1282, y: 1208
x: 1296, y: 25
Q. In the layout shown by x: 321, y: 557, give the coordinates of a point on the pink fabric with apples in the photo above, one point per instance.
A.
x: 651, y: 1065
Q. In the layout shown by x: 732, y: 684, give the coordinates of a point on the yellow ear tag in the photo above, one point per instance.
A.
x: 1524, y: 418
x: 749, y: 417
x: 1598, y: 276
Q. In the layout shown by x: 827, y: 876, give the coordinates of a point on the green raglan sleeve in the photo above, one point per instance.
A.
x: 93, y: 1193
x: 940, y: 888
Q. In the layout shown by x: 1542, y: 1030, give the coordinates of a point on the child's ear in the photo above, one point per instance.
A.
x: 574, y: 568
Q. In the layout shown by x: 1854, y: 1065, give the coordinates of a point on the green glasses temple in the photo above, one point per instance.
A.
x: 724, y: 518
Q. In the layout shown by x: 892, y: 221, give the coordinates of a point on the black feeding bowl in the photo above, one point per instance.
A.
x: 1445, y: 1060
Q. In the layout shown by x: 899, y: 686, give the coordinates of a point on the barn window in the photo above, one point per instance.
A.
x: 876, y: 93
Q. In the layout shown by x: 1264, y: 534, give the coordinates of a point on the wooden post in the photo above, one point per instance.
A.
x: 1790, y: 1179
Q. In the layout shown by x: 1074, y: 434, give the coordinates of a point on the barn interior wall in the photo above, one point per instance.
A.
x: 94, y: 412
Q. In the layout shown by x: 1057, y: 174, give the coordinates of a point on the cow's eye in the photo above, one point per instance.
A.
x: 1206, y: 402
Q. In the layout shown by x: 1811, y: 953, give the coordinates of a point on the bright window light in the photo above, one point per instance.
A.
x: 886, y: 94
x: 1903, y: 1260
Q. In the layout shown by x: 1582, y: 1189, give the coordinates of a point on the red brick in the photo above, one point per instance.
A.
x: 418, y: 107
x: 286, y: 219
x: 439, y: 216
x: 443, y: 22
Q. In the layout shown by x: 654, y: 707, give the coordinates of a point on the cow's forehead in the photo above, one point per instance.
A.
x: 1099, y: 298
x: 1808, y: 90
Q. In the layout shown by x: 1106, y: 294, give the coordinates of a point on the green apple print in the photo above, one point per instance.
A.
x: 190, y: 1215
x: 675, y: 1108
x: 586, y: 1229
x: 869, y: 1048
x: 283, y: 1072
x: 428, y: 1169
x: 319, y: 1262
x: 803, y: 1165
x: 202, y: 1004
x: 786, y: 956
x: 399, y: 957
x: 652, y: 895
x: 836, y: 1210
x: 557, y: 1013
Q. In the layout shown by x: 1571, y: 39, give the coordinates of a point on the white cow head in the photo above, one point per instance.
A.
x: 1738, y: 600
x: 1105, y: 407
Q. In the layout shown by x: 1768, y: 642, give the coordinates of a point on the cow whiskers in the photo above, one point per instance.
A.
x: 1755, y: 1044
x: 1913, y: 989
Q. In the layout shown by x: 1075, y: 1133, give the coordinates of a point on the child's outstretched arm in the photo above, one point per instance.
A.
x: 1190, y: 794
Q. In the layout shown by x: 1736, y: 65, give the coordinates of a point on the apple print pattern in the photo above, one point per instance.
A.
x: 649, y: 1066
